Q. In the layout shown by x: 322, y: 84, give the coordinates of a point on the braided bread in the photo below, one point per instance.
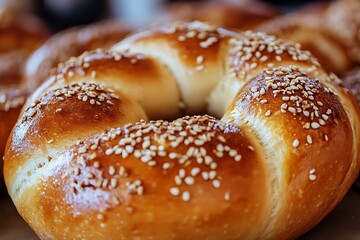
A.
x: 91, y: 165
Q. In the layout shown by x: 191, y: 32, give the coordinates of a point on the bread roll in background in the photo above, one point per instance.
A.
x: 329, y: 31
x: 237, y: 15
x: 352, y: 81
x: 68, y: 43
x: 20, y: 35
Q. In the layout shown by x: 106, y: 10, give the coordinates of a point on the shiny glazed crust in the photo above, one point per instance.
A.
x: 91, y: 165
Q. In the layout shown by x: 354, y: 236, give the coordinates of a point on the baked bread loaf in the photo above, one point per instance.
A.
x: 352, y: 82
x: 72, y: 42
x: 329, y: 31
x: 240, y: 15
x: 19, y: 36
x: 281, y: 155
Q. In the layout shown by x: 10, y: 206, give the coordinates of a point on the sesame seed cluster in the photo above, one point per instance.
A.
x: 252, y: 48
x: 194, y: 146
x: 92, y: 93
x: 206, y: 34
x: 80, y: 65
x: 300, y: 95
x: 12, y: 98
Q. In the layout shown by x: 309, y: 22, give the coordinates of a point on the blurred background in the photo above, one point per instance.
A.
x: 61, y: 14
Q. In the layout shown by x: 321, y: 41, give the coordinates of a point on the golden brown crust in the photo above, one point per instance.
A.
x: 307, y: 118
x: 189, y: 182
x: 269, y: 169
x: 117, y: 70
x: 51, y: 117
x: 239, y: 16
x: 72, y: 42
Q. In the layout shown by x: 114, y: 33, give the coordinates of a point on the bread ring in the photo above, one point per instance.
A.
x: 269, y: 169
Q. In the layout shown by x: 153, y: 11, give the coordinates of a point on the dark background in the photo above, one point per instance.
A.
x: 87, y: 11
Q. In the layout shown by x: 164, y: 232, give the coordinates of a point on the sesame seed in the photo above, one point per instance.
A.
x: 212, y: 175
x: 182, y: 173
x: 113, y: 182
x: 185, y: 196
x: 315, y: 125
x: 227, y: 196
x: 312, y: 177
x: 221, y: 139
x: 205, y: 175
x: 251, y: 148
x: 82, y: 149
x: 175, y: 191
x: 326, y: 137
x: 151, y: 163
x: 268, y: 113
x: 199, y: 68
x: 96, y: 164
x: 216, y: 183
x: 111, y: 170
x: 109, y: 151
x: 232, y: 153
x: 129, y: 148
x: 195, y: 171
x: 178, y: 180
x: 295, y: 143
x: 189, y: 180
x: 322, y: 122
x: 309, y: 139
x: 140, y: 190
x: 172, y: 155
x: 238, y: 158
x: 166, y: 166
x: 181, y: 38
